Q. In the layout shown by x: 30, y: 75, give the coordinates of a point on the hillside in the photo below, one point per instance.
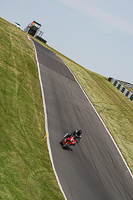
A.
x: 26, y: 171
x: 115, y: 109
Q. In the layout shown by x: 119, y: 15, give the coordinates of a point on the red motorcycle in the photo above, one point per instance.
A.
x: 66, y: 142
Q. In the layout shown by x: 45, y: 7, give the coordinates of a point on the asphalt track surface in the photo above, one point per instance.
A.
x: 93, y: 169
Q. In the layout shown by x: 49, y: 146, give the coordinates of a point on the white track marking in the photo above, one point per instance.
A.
x: 102, y: 123
x: 46, y: 124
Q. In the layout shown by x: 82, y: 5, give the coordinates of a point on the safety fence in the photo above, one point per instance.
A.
x: 120, y: 87
x: 126, y: 84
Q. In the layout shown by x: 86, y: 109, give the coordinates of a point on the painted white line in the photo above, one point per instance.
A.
x: 102, y: 123
x: 46, y: 124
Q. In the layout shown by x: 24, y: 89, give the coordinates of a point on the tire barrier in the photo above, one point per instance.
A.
x: 121, y: 88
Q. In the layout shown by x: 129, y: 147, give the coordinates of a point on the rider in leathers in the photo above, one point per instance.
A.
x: 76, y: 134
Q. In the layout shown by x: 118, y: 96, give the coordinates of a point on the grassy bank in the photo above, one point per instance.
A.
x: 26, y: 171
x: 115, y: 109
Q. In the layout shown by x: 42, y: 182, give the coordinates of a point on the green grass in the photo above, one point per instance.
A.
x: 26, y: 171
x: 115, y: 109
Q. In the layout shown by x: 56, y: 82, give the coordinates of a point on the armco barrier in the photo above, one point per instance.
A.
x: 126, y: 84
x: 121, y: 88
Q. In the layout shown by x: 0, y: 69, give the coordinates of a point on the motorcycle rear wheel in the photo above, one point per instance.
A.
x: 65, y: 145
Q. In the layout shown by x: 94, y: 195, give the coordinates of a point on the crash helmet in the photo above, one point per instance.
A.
x: 79, y: 133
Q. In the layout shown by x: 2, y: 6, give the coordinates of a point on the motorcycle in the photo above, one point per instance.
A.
x: 66, y: 142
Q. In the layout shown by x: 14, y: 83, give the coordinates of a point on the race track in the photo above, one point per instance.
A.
x: 93, y: 169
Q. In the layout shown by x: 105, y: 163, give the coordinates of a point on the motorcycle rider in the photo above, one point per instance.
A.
x: 76, y: 134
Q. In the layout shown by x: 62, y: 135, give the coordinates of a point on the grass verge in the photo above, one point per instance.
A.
x: 26, y: 171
